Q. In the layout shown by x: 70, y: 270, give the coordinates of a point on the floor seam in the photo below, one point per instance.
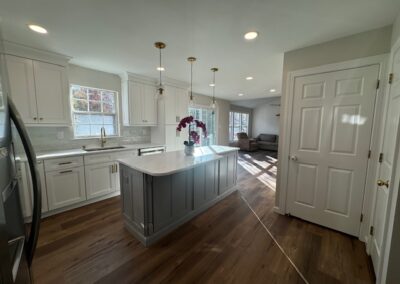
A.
x: 275, y: 241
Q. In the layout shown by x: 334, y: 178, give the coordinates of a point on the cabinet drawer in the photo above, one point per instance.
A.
x: 108, y: 157
x: 63, y: 163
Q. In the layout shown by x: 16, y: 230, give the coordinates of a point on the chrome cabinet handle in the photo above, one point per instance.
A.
x: 65, y: 172
x: 64, y: 163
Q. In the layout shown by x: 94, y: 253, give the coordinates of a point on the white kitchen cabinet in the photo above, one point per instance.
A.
x: 65, y: 187
x: 101, y: 179
x: 39, y: 91
x: 139, y: 97
x: 176, y: 103
x: 22, y: 87
x: 51, y: 85
x: 25, y: 187
x: 173, y: 106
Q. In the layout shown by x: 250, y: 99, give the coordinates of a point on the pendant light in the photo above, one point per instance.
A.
x: 160, y: 45
x: 213, y: 86
x: 191, y: 60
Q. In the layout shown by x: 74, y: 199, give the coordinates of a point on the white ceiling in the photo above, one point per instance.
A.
x: 253, y: 103
x: 118, y: 36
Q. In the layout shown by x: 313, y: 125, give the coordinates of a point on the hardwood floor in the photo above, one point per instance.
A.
x: 226, y: 244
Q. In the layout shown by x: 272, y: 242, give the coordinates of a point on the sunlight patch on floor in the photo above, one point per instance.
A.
x: 268, y: 180
x: 249, y: 167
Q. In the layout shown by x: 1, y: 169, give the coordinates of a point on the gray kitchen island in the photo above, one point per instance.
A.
x: 161, y: 192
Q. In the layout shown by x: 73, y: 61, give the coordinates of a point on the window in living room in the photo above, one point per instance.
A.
x: 238, y: 122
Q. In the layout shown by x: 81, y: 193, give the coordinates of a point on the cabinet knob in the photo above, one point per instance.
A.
x: 41, y: 118
x: 34, y: 118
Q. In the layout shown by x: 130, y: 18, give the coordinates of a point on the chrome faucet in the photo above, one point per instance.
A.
x: 102, y: 137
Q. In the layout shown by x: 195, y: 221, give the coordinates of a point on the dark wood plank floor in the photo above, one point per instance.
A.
x: 226, y: 244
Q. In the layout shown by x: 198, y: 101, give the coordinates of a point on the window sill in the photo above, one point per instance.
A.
x: 95, y: 137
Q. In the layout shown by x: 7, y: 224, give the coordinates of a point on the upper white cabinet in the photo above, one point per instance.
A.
x: 39, y: 90
x: 51, y: 85
x: 176, y: 103
x: 172, y: 107
x: 139, y: 101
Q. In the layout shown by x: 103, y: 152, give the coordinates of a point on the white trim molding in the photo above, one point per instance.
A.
x: 286, y: 110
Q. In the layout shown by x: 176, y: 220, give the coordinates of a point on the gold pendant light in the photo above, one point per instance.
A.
x: 191, y: 60
x: 160, y: 45
x: 214, y: 69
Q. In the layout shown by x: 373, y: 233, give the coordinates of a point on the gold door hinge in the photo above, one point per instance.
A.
x: 380, y: 157
x: 361, y: 218
x: 391, y: 78
x: 369, y: 154
x: 377, y: 84
x: 371, y: 230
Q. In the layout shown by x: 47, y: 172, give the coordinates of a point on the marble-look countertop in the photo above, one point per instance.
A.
x: 172, y: 162
x: 78, y: 152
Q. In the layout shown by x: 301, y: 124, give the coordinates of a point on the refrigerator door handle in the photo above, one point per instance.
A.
x: 36, y: 188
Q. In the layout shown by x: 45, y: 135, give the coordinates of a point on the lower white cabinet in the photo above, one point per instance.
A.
x: 65, y: 187
x: 101, y: 179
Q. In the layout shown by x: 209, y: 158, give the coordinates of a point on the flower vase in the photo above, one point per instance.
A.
x: 189, y: 150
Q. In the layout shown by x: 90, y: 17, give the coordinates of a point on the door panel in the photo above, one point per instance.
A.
x: 386, y: 167
x: 331, y: 131
x: 100, y: 179
x: 22, y: 87
x: 150, y: 105
x: 51, y: 93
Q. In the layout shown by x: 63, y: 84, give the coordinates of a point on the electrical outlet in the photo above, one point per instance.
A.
x: 60, y: 135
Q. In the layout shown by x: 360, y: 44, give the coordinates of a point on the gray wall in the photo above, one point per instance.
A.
x: 360, y: 45
x: 265, y: 119
x: 50, y: 138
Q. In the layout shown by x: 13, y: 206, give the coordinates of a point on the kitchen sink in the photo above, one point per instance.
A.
x: 103, y: 148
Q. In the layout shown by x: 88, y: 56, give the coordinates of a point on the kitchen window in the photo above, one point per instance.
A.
x: 238, y: 122
x: 92, y: 109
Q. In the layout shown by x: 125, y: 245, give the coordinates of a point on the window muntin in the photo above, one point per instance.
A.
x: 238, y: 122
x: 92, y: 109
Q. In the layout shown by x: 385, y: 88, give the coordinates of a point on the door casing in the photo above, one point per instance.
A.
x: 287, y: 106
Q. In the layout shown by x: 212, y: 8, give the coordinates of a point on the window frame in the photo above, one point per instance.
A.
x: 116, y: 112
x: 232, y: 125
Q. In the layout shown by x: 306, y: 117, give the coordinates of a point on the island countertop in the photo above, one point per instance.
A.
x: 172, y: 162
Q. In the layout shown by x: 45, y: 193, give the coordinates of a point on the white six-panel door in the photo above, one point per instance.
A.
x: 386, y: 167
x: 329, y: 145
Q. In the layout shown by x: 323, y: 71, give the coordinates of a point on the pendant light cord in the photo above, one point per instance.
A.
x: 214, y: 87
x: 160, y: 68
x: 191, y: 81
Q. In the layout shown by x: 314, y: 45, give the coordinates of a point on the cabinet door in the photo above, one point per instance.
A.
x: 135, y: 103
x: 22, y: 87
x: 51, y: 93
x: 169, y: 98
x: 100, y: 179
x: 65, y: 187
x: 149, y: 108
x: 182, y: 102
x: 205, y: 183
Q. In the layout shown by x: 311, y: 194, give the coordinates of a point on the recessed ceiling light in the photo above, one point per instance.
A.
x: 250, y: 35
x: 249, y: 78
x: 212, y: 85
x: 272, y: 90
x: 160, y: 68
x: 38, y: 29
x: 240, y: 95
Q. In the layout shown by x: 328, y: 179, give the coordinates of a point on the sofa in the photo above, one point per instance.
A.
x: 245, y: 143
x: 268, y: 142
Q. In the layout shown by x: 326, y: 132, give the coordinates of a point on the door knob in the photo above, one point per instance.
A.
x: 383, y: 183
x: 293, y: 158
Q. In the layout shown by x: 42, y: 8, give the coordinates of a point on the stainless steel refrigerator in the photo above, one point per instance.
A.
x: 17, y: 242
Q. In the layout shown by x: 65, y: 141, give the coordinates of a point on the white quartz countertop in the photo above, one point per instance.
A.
x: 78, y: 152
x: 172, y: 162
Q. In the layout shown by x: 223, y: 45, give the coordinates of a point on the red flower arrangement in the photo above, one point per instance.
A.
x: 194, y: 137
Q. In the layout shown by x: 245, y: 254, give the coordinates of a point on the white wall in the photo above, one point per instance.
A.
x: 265, y: 119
